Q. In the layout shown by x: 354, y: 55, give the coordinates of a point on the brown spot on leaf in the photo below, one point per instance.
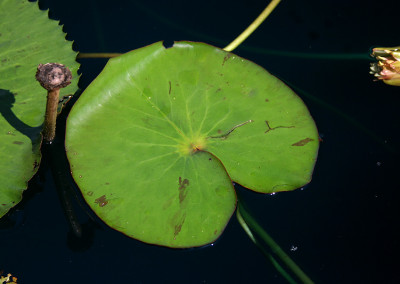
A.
x: 35, y: 165
x: 18, y: 142
x: 302, y: 142
x: 226, y: 58
x: 169, y: 91
x: 102, y: 201
x: 179, y: 224
x: 90, y: 193
x: 267, y: 100
x: 182, y: 189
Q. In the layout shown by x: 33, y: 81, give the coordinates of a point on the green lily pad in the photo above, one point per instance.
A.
x: 27, y: 38
x: 156, y: 140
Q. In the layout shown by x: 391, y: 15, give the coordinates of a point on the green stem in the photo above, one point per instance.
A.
x: 277, y: 266
x: 250, y: 225
x: 97, y: 55
x: 253, y: 26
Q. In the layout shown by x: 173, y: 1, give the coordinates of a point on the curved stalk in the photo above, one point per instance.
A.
x: 253, y: 26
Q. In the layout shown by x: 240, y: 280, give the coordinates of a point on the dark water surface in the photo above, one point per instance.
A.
x: 341, y: 228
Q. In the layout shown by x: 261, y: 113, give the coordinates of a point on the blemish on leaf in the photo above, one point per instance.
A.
x: 224, y: 136
x: 18, y: 142
x: 169, y: 91
x: 146, y: 120
x: 302, y: 142
x: 10, y: 133
x: 266, y: 100
x: 90, y: 193
x: 226, y: 58
x: 35, y: 165
x: 182, y: 189
x: 269, y: 128
x: 209, y: 159
x: 215, y: 232
x: 102, y: 201
x: 179, y: 224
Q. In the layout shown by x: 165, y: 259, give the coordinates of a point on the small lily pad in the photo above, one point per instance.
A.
x: 27, y: 38
x: 156, y: 140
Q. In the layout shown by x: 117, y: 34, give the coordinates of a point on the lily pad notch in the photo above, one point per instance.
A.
x: 156, y: 140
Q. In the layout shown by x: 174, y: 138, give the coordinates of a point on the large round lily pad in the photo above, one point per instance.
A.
x: 156, y: 140
x: 27, y: 38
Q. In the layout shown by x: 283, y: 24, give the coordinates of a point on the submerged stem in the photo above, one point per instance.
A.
x: 250, y: 225
x: 253, y: 26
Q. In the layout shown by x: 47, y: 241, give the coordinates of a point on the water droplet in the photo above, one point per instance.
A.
x: 378, y: 164
x: 293, y: 248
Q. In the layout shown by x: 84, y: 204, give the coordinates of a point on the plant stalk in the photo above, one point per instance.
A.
x: 49, y: 129
x: 251, y: 225
x: 253, y: 26
x: 52, y: 77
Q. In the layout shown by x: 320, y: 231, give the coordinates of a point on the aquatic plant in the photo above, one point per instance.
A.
x: 156, y: 141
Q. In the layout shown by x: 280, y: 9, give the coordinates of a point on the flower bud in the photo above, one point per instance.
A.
x: 388, y: 66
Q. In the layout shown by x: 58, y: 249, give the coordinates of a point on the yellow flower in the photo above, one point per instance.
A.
x: 388, y: 66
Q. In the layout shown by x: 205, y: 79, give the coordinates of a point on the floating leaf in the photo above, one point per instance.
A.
x: 27, y: 38
x: 156, y: 140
